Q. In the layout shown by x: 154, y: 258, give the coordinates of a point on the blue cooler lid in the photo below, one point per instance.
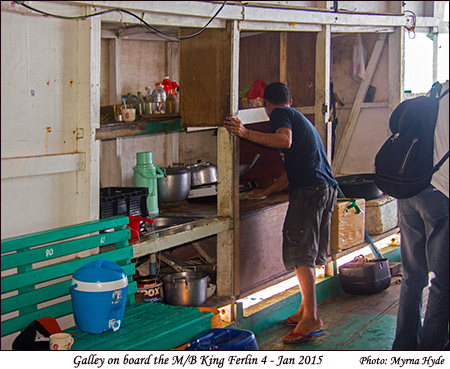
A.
x: 99, y: 276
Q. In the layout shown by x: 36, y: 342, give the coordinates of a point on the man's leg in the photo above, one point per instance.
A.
x: 433, y: 206
x: 310, y: 320
x: 415, y: 275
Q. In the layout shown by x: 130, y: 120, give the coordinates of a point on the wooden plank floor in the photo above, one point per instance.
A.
x: 352, y: 322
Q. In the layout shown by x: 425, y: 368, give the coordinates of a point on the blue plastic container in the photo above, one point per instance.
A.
x: 99, y: 295
x: 223, y: 339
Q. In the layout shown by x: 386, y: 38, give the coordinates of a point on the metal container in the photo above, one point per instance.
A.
x: 185, y: 288
x: 175, y: 185
x: 202, y: 173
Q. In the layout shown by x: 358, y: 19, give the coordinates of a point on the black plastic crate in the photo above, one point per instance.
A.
x: 123, y: 201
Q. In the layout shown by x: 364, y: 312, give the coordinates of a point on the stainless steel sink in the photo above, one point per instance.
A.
x: 169, y: 222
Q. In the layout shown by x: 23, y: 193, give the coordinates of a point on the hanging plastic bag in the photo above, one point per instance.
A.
x: 358, y: 66
x: 255, y: 94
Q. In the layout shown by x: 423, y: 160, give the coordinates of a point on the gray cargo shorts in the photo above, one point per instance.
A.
x: 306, y: 229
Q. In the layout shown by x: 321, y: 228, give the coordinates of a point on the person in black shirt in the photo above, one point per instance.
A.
x: 312, y: 197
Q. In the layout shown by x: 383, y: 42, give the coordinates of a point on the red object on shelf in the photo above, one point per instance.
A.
x: 257, y: 90
x: 135, y: 224
x: 167, y: 84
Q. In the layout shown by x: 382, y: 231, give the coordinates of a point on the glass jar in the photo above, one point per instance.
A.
x: 140, y: 104
x: 159, y: 99
x: 170, y: 103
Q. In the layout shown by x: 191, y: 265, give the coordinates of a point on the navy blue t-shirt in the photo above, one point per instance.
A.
x: 306, y: 161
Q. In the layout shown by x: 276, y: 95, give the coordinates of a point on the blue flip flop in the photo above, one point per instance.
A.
x: 289, y: 321
x: 305, y: 337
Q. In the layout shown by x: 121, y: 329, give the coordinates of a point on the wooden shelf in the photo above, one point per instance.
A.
x: 150, y: 125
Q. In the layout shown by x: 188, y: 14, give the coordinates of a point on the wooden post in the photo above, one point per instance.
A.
x: 283, y: 57
x: 228, y: 186
x: 322, y: 98
x: 114, y: 71
x: 396, y: 62
x: 88, y: 82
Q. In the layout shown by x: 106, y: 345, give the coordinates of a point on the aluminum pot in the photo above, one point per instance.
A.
x: 185, y: 288
x: 175, y: 185
x: 202, y: 173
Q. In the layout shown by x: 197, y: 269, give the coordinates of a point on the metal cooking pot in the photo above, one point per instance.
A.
x: 202, y: 173
x: 175, y: 185
x: 185, y: 288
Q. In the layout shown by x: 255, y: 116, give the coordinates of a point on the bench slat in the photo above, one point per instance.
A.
x: 62, y: 249
x: 57, y: 234
x: 148, y: 326
x: 35, y: 297
x: 20, y: 322
x: 60, y: 270
x: 49, y: 293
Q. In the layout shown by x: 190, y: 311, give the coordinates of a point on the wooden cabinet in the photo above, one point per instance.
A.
x: 205, y: 65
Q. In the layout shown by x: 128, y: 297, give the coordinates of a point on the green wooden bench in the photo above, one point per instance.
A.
x: 36, y: 276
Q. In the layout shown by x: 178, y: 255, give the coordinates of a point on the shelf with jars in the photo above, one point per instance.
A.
x: 147, y: 124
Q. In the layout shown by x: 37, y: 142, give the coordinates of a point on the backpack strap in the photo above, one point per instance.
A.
x: 442, y: 161
x: 443, y: 94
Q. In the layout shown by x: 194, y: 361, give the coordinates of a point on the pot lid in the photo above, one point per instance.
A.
x: 174, y: 170
x: 200, y: 164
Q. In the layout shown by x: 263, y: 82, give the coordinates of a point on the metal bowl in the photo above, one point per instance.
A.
x: 360, y: 186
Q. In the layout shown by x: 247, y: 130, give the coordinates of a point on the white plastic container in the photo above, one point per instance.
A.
x: 381, y: 215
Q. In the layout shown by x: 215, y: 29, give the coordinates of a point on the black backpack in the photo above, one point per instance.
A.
x: 404, y: 164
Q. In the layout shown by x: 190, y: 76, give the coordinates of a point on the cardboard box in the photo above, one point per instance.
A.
x: 347, y: 224
x: 381, y: 215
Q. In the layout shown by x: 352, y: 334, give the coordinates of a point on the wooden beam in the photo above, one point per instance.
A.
x: 42, y: 165
x: 283, y: 57
x: 344, y: 143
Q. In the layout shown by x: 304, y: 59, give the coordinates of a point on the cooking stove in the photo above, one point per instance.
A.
x: 249, y: 184
x: 211, y: 189
x: 203, y: 191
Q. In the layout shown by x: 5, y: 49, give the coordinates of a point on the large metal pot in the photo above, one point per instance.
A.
x: 202, y: 173
x: 175, y: 185
x: 185, y: 288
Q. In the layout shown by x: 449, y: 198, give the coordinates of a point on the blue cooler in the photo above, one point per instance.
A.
x: 99, y: 295
x: 223, y: 339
